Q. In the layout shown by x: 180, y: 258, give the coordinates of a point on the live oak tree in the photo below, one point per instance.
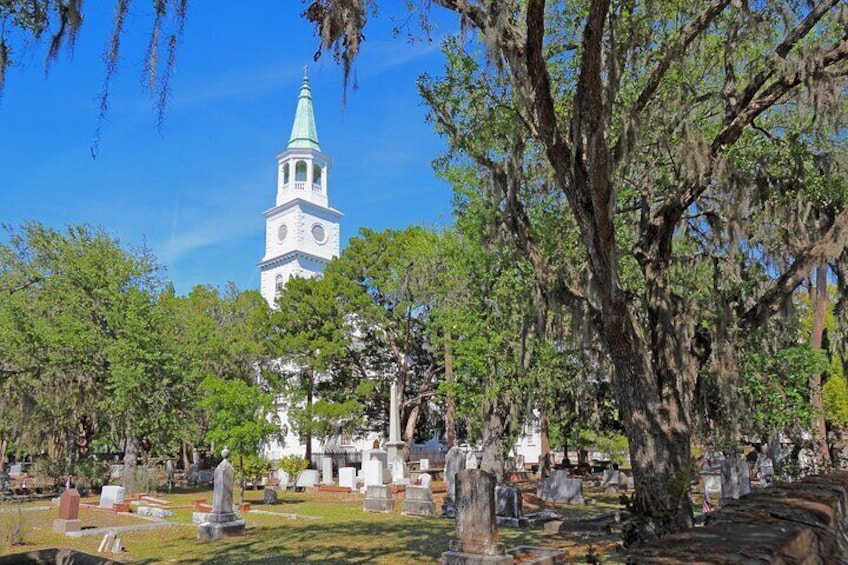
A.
x: 640, y: 111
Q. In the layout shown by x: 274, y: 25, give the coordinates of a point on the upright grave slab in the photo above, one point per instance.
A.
x: 454, y: 463
x: 111, y: 495
x: 378, y: 498
x: 560, y: 488
x: 509, y: 506
x: 68, y: 520
x: 735, y: 478
x: 222, y: 521
x: 419, y: 502
x: 347, y: 477
x: 476, y: 539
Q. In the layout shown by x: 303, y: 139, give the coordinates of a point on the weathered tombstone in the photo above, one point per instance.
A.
x: 283, y: 478
x: 269, y: 496
x: 624, y: 482
x: 378, y: 498
x: 472, y: 461
x: 326, y: 470
x: 424, y: 464
x: 68, y: 520
x: 16, y: 469
x: 735, y: 478
x: 454, y: 463
x: 766, y: 467
x: 425, y: 479
x: 5, y: 482
x: 560, y: 488
x: 222, y: 521
x: 347, y: 477
x: 170, y: 473
x: 307, y: 478
x: 419, y: 502
x: 610, y: 480
x: 154, y: 512
x: 373, y: 473
x: 191, y: 476
x: 476, y: 533
x: 111, y: 495
x: 509, y: 506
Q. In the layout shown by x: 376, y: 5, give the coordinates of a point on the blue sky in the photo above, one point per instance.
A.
x: 194, y: 191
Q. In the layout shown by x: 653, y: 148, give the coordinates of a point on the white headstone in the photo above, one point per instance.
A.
x: 307, y: 478
x: 471, y: 461
x: 347, y: 477
x: 283, y: 478
x: 373, y: 473
x: 425, y: 479
x: 111, y: 495
x: 327, y: 470
x: 424, y: 464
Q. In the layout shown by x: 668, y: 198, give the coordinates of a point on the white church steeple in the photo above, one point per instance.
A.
x: 301, y: 230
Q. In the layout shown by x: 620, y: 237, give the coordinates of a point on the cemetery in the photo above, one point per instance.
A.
x: 558, y: 282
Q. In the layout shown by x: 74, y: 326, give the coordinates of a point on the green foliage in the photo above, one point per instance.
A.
x: 293, y: 465
x: 92, y: 473
x: 613, y: 444
x: 775, y: 386
x: 13, y: 526
x: 835, y: 395
x: 253, y: 468
x: 238, y: 414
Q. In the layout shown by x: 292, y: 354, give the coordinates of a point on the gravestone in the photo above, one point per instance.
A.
x: 269, y: 496
x: 712, y: 484
x: 16, y: 469
x: 735, y: 478
x: 68, y: 520
x: 454, y: 463
x: 806, y: 462
x: 419, y: 502
x: 472, y: 461
x: 307, y: 478
x: 326, y: 470
x: 347, y: 477
x: 111, y: 495
x: 378, y: 498
x: 154, y: 512
x: 283, y: 478
x: 560, y: 488
x: 611, y: 480
x: 222, y: 521
x: 425, y: 479
x: 424, y: 464
x: 5, y: 482
x: 766, y: 471
x: 373, y: 473
x: 509, y: 506
x: 476, y: 533
x: 191, y: 476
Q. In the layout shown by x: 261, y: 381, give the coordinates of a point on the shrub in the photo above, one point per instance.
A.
x: 13, y: 526
x: 293, y: 465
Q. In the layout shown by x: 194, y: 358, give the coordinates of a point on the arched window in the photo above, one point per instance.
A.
x: 286, y: 173
x: 300, y: 171
x: 279, y: 282
x: 316, y: 175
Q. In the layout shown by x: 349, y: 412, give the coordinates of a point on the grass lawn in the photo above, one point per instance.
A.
x: 328, y: 528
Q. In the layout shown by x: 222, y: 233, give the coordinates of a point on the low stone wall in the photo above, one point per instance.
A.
x: 801, y: 522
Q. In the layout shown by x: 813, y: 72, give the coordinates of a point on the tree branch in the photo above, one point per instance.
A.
x: 829, y: 247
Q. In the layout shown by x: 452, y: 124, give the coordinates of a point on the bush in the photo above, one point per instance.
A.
x: 53, y: 469
x: 91, y: 473
x: 293, y: 465
x: 255, y: 467
x: 835, y: 400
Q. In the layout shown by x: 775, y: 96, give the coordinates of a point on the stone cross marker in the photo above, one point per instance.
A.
x: 454, y: 463
x: 476, y: 533
x: 395, y: 445
x: 68, y: 520
x: 222, y: 521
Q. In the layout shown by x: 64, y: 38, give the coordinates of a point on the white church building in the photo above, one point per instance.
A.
x: 301, y: 237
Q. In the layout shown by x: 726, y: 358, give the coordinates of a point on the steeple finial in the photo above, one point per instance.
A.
x: 304, y: 133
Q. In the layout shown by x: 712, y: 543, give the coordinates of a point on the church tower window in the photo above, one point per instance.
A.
x: 300, y: 171
x: 286, y: 173
x: 316, y: 176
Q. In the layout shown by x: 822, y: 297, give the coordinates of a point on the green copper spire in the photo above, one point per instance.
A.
x: 304, y: 134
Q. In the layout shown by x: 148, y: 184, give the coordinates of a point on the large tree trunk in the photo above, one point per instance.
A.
x: 499, y: 416
x: 130, y: 459
x: 819, y: 296
x: 545, y: 455
x: 450, y: 419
